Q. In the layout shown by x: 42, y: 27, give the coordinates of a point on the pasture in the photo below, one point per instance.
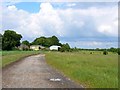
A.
x: 91, y: 70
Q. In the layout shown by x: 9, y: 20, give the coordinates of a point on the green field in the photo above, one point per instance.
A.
x: 91, y: 70
x: 12, y: 56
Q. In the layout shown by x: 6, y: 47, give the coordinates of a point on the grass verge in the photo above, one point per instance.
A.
x: 90, y: 70
x: 9, y: 57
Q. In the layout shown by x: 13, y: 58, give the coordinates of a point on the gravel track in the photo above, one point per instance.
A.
x: 33, y: 72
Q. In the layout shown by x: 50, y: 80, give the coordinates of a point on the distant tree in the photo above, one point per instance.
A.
x: 65, y: 47
x: 90, y: 52
x: 118, y: 51
x: 10, y: 40
x: 55, y: 40
x: 26, y: 43
x: 59, y: 44
x: 39, y: 41
x: 0, y: 41
x: 105, y: 52
x: 76, y: 49
x: 62, y: 49
x: 97, y: 49
x: 113, y: 50
x: 47, y: 41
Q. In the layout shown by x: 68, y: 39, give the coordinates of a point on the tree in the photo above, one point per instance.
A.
x: 49, y: 41
x: 105, y: 52
x: 39, y: 41
x: 54, y: 40
x: 0, y: 41
x: 118, y: 51
x: 65, y: 47
x: 97, y: 49
x: 10, y: 40
x: 26, y: 43
x: 112, y: 49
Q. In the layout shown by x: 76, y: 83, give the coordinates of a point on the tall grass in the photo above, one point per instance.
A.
x: 91, y: 70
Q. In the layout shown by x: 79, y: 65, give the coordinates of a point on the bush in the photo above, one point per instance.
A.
x: 25, y: 49
x: 118, y: 51
x: 90, y: 52
x: 105, y: 52
x: 62, y: 49
x: 65, y: 47
x: 15, y: 49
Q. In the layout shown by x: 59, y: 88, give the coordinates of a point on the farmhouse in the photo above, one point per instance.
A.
x: 36, y: 47
x: 54, y: 47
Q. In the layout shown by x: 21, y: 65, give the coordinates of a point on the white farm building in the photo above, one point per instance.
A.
x: 54, y: 47
x: 36, y: 47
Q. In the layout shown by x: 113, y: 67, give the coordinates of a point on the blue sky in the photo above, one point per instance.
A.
x: 81, y: 24
x: 33, y: 7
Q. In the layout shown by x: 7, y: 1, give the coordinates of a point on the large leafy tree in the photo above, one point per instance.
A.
x: 39, y: 41
x: 26, y: 43
x: 0, y: 41
x: 10, y: 40
x: 55, y: 40
x: 46, y: 41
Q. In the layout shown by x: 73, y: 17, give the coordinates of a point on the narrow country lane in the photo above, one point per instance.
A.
x: 33, y: 72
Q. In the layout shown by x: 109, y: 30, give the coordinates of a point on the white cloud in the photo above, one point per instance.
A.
x: 0, y: 17
x: 61, y: 22
x: 93, y: 44
x: 12, y: 8
x: 105, y: 29
x: 13, y: 18
x: 15, y: 1
x: 71, y: 4
x: 89, y: 43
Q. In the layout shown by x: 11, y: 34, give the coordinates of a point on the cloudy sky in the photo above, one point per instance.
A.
x: 81, y: 24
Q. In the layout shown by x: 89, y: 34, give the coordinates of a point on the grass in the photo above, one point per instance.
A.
x: 12, y: 56
x: 91, y: 70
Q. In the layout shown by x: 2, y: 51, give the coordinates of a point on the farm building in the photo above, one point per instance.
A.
x: 55, y: 47
x: 36, y: 47
x: 23, y: 47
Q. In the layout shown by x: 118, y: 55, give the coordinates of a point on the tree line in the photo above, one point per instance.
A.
x: 11, y: 40
x: 105, y: 51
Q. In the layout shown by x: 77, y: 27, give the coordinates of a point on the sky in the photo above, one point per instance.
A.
x: 81, y: 24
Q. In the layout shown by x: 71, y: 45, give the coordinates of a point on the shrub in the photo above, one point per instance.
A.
x: 105, y: 52
x: 62, y: 49
x: 90, y: 52
x: 65, y: 47
x: 118, y: 51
